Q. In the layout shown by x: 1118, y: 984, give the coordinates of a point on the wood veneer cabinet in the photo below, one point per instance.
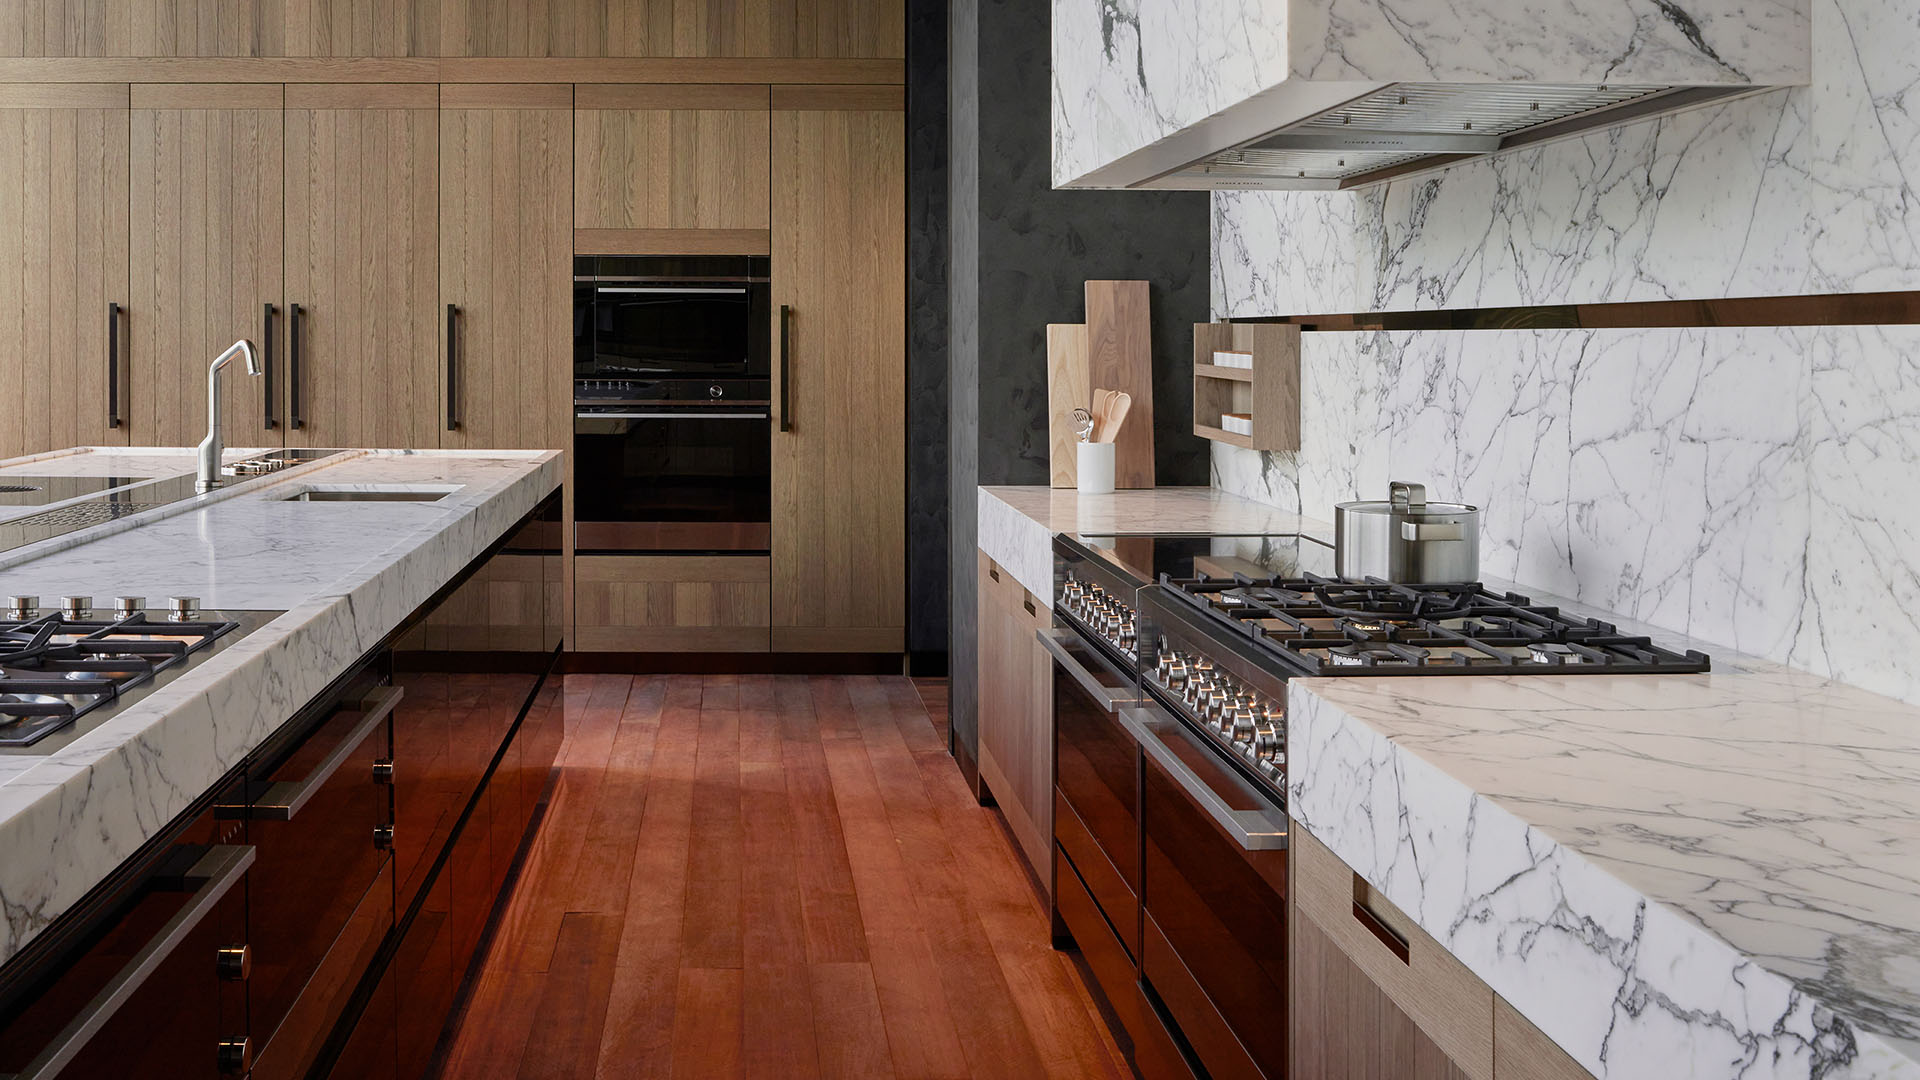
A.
x: 63, y: 229
x: 206, y: 226
x: 671, y: 157
x: 1016, y: 710
x: 839, y: 290
x: 506, y: 278
x: 700, y: 603
x: 362, y: 235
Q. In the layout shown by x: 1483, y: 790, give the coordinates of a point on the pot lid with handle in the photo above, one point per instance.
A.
x: 1405, y: 499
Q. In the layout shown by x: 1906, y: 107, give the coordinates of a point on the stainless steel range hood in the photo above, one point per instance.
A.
x: 1405, y: 128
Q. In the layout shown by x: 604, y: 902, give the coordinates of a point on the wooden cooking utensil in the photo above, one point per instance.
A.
x: 1117, y: 413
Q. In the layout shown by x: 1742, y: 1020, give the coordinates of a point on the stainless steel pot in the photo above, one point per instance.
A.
x: 1406, y: 538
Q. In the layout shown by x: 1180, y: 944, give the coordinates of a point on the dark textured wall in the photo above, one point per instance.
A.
x: 927, y: 333
x: 1021, y: 254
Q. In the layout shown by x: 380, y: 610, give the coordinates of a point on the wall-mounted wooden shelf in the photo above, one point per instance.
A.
x: 1268, y: 392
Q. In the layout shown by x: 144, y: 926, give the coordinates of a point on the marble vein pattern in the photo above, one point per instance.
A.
x: 1803, y: 190
x: 1018, y: 523
x: 346, y: 577
x: 1734, y: 485
x: 1699, y: 876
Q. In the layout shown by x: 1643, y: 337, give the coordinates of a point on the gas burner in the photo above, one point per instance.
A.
x: 1358, y: 655
x: 1553, y: 652
x: 55, y: 669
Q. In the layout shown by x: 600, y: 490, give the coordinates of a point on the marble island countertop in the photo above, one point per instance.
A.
x: 344, y: 575
x: 1712, y: 876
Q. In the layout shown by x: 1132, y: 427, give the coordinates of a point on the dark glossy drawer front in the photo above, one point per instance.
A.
x: 1096, y: 767
x: 1101, y: 878
x: 1153, y: 1051
x: 1221, y: 916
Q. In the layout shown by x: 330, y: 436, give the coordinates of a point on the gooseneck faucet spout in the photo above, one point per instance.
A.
x: 210, y: 446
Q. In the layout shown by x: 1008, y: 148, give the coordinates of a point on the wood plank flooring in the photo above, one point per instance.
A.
x: 771, y: 876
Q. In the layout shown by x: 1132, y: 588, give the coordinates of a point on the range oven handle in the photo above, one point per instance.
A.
x: 1054, y: 641
x: 217, y: 872
x: 1251, y: 829
x: 282, y: 800
x: 690, y: 414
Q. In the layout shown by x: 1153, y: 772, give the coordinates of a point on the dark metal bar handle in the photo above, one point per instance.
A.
x: 1251, y: 829
x: 281, y: 801
x: 113, y: 365
x: 294, y: 419
x: 453, y: 368
x: 266, y: 362
x: 1054, y: 641
x: 217, y: 872
x: 691, y: 414
x: 786, y: 368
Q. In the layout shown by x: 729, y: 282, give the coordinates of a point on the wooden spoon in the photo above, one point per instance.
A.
x: 1117, y: 410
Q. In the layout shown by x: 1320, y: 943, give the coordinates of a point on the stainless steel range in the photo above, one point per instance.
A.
x: 70, y: 663
x: 1171, y: 789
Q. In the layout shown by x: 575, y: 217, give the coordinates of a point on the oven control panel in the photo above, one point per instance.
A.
x: 1238, y: 717
x: 1102, y: 613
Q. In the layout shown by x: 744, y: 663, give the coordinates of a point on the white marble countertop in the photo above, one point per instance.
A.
x: 345, y: 574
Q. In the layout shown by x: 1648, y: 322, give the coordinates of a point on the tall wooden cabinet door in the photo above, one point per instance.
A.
x: 506, y: 266
x: 839, y: 286
x: 671, y: 157
x: 363, y: 280
x: 205, y: 207
x: 63, y: 261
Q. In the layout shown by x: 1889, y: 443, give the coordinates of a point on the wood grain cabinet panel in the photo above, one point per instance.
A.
x: 1342, y: 1024
x: 1524, y: 1052
x: 839, y: 467
x: 506, y: 247
x: 1016, y: 710
x: 1424, y: 984
x: 362, y: 234
x: 671, y: 157
x: 63, y: 229
x: 644, y: 603
x: 205, y: 210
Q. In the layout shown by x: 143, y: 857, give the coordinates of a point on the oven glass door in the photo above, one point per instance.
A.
x: 1214, y: 889
x: 1096, y: 779
x: 673, y: 477
x: 649, y: 330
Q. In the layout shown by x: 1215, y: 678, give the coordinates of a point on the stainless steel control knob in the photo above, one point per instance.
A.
x: 75, y: 608
x: 23, y: 607
x: 128, y: 606
x: 182, y: 608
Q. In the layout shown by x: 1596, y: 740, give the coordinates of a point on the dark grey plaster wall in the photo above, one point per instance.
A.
x: 1021, y: 254
x: 927, y: 332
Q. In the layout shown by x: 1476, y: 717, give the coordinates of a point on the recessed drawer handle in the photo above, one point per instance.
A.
x: 1028, y: 604
x: 993, y: 571
x: 1375, y: 925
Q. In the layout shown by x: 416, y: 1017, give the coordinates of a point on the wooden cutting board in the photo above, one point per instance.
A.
x: 1068, y: 389
x: 1120, y: 357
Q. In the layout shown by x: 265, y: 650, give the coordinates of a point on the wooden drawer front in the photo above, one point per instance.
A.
x: 1449, y: 1003
x: 645, y: 603
x: 1341, y: 1024
x: 1103, y: 880
x: 1154, y: 1052
x: 1523, y: 1052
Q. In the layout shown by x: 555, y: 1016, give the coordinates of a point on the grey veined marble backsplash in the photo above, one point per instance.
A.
x: 1746, y: 486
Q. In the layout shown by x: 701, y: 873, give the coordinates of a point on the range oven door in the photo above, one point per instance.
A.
x: 673, y: 476
x: 1096, y: 778
x: 1213, y: 879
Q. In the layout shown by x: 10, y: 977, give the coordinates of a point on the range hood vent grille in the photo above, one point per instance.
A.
x: 1406, y: 127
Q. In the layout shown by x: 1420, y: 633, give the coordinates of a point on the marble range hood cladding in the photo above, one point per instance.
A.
x: 1340, y: 94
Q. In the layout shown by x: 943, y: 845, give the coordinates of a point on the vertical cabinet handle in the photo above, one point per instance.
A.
x: 453, y: 368
x: 294, y: 419
x: 266, y: 364
x: 113, y: 365
x: 786, y: 368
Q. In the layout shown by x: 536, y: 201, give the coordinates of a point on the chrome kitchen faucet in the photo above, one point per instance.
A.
x: 210, y: 446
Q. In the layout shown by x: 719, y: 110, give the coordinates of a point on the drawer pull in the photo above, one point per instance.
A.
x: 281, y: 801
x: 1375, y: 925
x: 1028, y: 604
x: 993, y: 571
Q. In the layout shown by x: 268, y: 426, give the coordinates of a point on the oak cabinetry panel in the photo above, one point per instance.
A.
x: 671, y: 157
x: 63, y: 229
x: 671, y: 603
x: 205, y: 212
x: 506, y: 247
x: 1016, y: 710
x: 362, y: 233
x: 1342, y: 1024
x: 1421, y: 982
x: 839, y: 465
x: 1524, y: 1052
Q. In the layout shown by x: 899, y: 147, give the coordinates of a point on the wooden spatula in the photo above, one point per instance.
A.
x: 1117, y: 409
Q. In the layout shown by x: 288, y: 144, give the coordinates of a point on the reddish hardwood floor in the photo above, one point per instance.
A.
x: 771, y: 876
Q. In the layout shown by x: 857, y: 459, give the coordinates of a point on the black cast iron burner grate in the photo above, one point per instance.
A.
x: 1321, y: 626
x: 53, y: 670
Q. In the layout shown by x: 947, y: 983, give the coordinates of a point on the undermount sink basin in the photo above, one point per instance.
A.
x: 386, y: 494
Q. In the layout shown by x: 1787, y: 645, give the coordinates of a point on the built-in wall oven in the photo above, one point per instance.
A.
x: 672, y: 415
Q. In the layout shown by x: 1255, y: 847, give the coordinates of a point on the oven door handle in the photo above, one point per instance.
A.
x: 217, y: 872
x: 692, y: 414
x: 671, y: 290
x: 282, y: 800
x: 1054, y: 641
x: 1251, y: 829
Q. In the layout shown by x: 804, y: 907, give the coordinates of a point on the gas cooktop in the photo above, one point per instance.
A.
x: 1322, y: 626
x: 71, y: 663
